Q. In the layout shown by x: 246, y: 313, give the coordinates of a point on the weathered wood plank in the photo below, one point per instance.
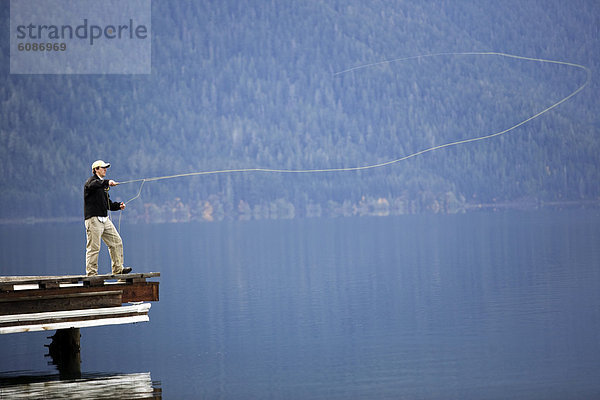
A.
x: 24, y: 280
x: 135, y: 292
x: 142, y: 291
x: 74, y: 324
x: 6, y: 287
x: 65, y: 319
x: 42, y: 301
x: 74, y: 318
x: 49, y: 285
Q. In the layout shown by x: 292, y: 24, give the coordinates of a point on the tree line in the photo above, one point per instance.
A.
x: 243, y: 84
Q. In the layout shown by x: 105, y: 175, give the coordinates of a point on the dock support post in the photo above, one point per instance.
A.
x: 65, y: 352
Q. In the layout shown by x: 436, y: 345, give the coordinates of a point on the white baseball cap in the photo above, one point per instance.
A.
x: 99, y: 163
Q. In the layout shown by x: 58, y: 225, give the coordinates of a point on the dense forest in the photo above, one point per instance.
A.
x: 261, y: 84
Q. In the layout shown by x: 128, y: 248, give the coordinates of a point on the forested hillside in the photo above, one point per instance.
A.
x: 257, y: 84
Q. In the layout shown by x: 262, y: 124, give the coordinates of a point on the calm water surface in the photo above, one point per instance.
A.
x: 476, y: 306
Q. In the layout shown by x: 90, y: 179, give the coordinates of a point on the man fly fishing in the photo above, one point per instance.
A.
x: 96, y: 203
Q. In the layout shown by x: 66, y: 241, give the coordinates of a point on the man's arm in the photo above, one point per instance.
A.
x: 93, y: 184
x: 114, y: 206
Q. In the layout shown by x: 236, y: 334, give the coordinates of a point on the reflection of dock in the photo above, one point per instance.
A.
x: 113, y: 386
x: 34, y: 303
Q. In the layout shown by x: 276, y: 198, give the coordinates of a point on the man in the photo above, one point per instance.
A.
x: 96, y: 203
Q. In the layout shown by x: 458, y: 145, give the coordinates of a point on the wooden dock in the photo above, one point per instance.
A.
x: 36, y: 303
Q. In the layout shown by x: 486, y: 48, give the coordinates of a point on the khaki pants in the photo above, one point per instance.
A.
x: 96, y: 230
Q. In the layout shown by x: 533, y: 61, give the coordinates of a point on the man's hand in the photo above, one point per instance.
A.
x: 122, y: 206
x: 112, y: 183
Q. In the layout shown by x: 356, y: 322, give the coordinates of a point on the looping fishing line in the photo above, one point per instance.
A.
x: 390, y: 162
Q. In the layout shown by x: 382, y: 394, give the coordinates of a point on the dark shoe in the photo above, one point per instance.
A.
x: 126, y: 270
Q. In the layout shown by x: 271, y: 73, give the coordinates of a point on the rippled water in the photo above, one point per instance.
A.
x: 482, y: 306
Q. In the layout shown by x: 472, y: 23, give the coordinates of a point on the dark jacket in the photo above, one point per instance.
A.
x: 96, y: 201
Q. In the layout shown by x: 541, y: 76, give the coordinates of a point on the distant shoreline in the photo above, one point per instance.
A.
x: 468, y: 208
x: 532, y: 206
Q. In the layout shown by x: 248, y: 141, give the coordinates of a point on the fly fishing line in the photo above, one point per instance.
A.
x: 406, y: 157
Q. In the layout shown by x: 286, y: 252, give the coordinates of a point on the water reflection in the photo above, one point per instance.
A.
x: 65, y: 353
x: 70, y: 383
x: 88, y: 386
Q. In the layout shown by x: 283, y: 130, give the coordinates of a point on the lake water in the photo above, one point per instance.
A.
x: 475, y: 306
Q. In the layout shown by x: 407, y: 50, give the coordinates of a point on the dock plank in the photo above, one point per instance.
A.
x: 42, y: 301
x: 135, y: 292
x: 6, y: 281
x: 74, y: 319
